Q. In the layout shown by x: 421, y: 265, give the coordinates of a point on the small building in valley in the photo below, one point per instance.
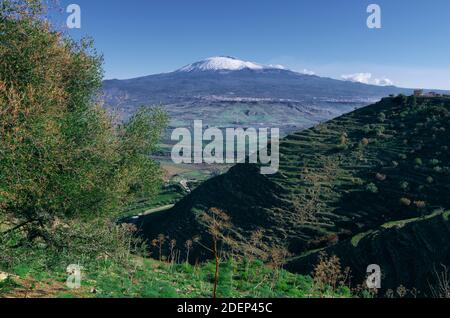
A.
x: 418, y: 92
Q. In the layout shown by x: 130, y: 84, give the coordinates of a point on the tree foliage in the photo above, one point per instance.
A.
x: 62, y: 156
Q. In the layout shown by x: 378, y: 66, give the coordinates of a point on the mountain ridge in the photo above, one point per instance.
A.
x: 247, y: 95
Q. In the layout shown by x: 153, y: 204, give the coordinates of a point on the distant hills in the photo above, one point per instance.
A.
x: 370, y: 186
x: 225, y: 91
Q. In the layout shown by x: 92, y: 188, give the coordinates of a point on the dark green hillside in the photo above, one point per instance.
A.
x: 383, y: 163
x: 410, y: 253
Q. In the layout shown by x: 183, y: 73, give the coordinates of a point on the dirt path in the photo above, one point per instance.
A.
x: 158, y: 209
x: 31, y: 288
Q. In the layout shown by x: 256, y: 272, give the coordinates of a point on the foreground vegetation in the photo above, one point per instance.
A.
x: 148, y: 278
x: 120, y: 267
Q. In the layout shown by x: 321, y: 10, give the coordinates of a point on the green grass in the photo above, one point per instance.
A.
x: 398, y: 225
x: 402, y: 223
x: 358, y: 237
x: 148, y: 278
x: 7, y: 286
x: 40, y: 271
x: 446, y: 215
x: 167, y: 196
x: 155, y: 279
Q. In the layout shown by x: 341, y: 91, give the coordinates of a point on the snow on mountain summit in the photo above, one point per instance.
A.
x: 225, y: 63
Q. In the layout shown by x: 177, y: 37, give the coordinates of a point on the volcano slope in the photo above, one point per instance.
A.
x: 371, y: 186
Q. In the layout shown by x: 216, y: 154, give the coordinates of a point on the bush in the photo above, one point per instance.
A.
x: 420, y: 204
x: 404, y: 185
x: 90, y: 244
x: 382, y: 117
x: 328, y: 274
x: 365, y: 142
x: 437, y: 169
x: 380, y: 130
x: 434, y: 162
x: 371, y: 187
x: 405, y: 201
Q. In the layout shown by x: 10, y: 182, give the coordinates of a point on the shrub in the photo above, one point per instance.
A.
x: 365, y: 141
x: 404, y: 185
x: 437, y: 169
x: 413, y: 101
x: 402, y: 99
x: 382, y: 117
x: 405, y: 201
x: 441, y: 286
x: 434, y: 162
x: 328, y: 273
x: 343, y: 142
x: 371, y: 187
x: 420, y: 204
x: 380, y: 130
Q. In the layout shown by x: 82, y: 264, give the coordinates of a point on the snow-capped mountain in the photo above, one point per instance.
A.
x: 225, y: 63
x: 225, y: 91
x: 229, y: 77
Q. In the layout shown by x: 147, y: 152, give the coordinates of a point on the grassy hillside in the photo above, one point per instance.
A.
x: 384, y: 163
x: 146, y: 278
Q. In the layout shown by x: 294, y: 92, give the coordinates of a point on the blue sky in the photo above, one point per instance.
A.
x: 328, y: 37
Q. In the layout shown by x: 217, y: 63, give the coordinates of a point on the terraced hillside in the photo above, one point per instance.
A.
x: 412, y: 253
x: 384, y: 163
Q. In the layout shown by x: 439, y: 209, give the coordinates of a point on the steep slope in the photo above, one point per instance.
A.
x: 384, y: 163
x: 410, y: 253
